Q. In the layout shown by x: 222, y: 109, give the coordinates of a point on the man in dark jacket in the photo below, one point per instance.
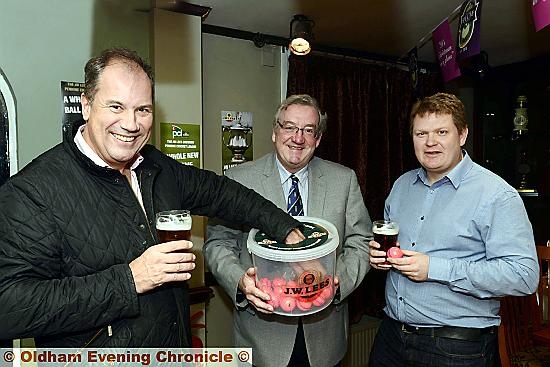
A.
x: 80, y: 263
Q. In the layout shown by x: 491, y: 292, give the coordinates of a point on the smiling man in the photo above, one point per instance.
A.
x: 466, y: 241
x: 327, y: 190
x: 119, y: 115
x: 80, y: 261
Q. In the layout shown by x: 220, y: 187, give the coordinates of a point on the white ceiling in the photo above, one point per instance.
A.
x: 387, y: 27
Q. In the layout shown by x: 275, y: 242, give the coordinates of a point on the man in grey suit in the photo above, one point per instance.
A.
x: 328, y: 191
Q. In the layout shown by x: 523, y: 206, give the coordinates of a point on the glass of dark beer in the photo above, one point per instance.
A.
x: 173, y: 225
x: 385, y: 233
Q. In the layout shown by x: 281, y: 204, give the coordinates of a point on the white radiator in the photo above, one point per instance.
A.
x: 360, y: 342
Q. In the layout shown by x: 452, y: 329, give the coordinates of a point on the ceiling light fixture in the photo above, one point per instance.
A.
x: 301, y: 34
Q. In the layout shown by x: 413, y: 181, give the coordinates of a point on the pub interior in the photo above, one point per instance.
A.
x: 217, y: 56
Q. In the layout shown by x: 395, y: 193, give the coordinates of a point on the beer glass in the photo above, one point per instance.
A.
x: 173, y: 225
x: 385, y: 233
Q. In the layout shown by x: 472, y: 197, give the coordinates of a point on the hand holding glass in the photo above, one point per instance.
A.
x: 385, y: 233
x: 173, y: 225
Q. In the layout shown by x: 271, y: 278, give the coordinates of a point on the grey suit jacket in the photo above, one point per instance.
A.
x: 334, y: 195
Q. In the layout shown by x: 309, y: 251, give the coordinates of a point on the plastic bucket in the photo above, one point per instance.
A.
x: 299, y: 277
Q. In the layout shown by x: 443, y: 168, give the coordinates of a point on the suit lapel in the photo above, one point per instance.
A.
x: 317, y: 189
x: 272, y: 183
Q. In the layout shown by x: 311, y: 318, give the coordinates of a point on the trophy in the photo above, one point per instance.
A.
x: 237, y: 140
x: 522, y: 148
x: 520, y: 118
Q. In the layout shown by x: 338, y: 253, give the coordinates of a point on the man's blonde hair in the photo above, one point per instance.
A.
x: 441, y: 104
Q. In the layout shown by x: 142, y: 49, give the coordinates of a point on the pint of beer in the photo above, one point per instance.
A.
x: 174, y: 225
x: 385, y: 233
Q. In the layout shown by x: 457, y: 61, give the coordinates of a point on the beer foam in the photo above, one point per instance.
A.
x: 386, y: 231
x: 180, y: 224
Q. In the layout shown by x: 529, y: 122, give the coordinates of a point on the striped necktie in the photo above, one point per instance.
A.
x: 294, y: 203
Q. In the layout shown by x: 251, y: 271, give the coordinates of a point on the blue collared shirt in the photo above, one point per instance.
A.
x: 475, y: 229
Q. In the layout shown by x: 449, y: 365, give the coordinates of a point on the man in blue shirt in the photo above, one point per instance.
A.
x: 466, y: 240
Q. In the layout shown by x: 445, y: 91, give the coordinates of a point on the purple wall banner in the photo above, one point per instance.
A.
x: 469, y: 25
x: 444, y: 48
x: 541, y: 13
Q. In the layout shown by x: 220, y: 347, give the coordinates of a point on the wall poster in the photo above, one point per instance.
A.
x: 181, y: 142
x: 236, y: 138
x: 70, y: 94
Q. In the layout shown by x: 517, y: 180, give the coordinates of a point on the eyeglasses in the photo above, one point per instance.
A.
x: 291, y: 129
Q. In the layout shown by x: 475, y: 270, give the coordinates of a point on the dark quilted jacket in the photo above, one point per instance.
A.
x: 69, y: 229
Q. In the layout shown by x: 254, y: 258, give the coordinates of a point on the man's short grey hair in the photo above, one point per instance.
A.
x: 303, y: 100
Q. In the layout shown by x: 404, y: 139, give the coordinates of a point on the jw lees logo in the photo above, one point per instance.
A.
x: 310, y: 285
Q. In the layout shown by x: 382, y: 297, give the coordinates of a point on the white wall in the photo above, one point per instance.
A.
x: 44, y: 42
x: 235, y: 79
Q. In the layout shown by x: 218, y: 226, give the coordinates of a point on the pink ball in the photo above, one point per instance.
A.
x: 394, y: 252
x: 265, y: 282
x: 319, y: 301
x: 291, y: 284
x: 274, y: 300
x: 304, y: 305
x: 287, y: 304
x: 278, y: 291
x: 278, y: 282
x: 327, y: 292
x: 265, y: 288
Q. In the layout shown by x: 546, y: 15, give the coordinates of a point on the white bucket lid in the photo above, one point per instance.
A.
x: 290, y: 253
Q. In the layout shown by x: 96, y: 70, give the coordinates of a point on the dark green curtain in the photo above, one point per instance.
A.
x: 368, y: 108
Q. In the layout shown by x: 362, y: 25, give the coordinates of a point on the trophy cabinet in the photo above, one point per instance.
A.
x: 512, y: 133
